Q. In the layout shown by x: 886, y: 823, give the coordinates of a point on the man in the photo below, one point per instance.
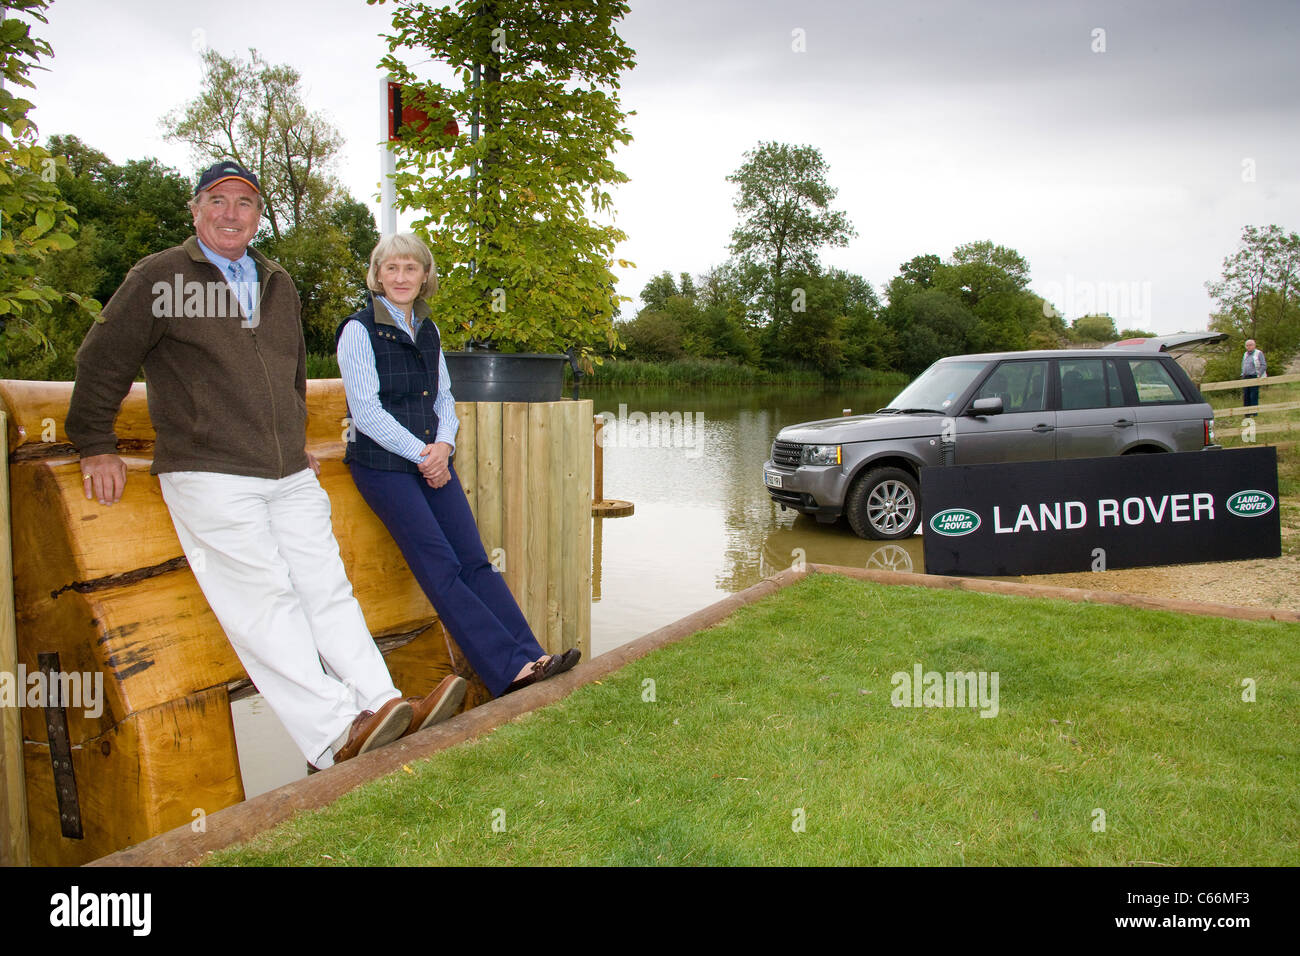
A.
x: 1252, y: 366
x: 217, y: 328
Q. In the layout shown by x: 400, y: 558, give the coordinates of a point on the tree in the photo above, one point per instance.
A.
x: 137, y: 208
x: 125, y: 213
x: 1094, y: 328
x: 252, y: 111
x: 510, y: 217
x: 35, y: 223
x: 786, y: 218
x: 1256, y: 297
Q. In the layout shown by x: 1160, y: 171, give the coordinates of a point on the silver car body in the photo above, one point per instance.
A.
x: 1078, y: 403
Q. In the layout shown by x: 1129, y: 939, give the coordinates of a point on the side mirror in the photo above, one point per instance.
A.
x: 986, y: 406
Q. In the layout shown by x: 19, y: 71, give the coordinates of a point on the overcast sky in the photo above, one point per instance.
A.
x: 1119, y: 147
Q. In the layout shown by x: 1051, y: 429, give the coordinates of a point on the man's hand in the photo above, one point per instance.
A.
x: 104, y: 478
x: 313, y: 464
x: 435, y: 467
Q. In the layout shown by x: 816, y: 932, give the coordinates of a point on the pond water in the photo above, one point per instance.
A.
x: 690, y: 461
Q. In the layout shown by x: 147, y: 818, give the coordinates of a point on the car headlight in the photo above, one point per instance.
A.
x: 821, y: 455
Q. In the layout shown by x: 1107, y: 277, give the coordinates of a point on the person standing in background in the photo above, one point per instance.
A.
x: 1253, y: 365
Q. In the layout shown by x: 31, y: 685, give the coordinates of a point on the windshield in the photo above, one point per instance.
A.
x: 938, y: 387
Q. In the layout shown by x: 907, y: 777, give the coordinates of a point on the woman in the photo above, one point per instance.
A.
x: 403, y: 435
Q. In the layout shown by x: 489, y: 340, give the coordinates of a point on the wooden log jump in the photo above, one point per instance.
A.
x: 106, y: 593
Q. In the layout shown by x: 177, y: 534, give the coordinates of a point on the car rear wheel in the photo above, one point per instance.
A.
x: 884, y: 504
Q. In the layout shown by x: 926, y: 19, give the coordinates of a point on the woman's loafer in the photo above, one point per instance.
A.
x: 555, y: 664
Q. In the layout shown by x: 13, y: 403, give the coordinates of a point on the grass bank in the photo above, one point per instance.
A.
x: 705, y: 372
x: 688, y: 372
x: 1121, y: 737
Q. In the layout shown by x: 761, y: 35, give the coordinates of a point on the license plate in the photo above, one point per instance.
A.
x: 773, y: 481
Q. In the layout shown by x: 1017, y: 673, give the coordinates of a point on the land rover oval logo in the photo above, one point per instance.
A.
x: 954, y: 522
x: 1250, y: 504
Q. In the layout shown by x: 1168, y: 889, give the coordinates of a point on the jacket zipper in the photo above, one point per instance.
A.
x: 270, y: 387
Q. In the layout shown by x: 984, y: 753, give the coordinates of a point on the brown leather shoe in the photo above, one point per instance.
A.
x: 438, y: 706
x: 555, y: 664
x: 373, y: 729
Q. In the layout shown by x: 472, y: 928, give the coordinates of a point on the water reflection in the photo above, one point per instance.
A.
x: 704, y: 525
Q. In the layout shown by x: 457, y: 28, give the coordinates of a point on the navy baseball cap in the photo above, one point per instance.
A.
x: 226, y: 169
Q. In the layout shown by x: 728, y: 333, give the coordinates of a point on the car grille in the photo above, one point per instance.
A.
x: 787, y: 453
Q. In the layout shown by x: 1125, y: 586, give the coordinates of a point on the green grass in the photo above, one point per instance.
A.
x: 785, y: 707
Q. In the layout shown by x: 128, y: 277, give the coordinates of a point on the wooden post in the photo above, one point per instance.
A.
x: 466, y: 458
x: 598, y: 491
x: 488, y: 477
x: 13, y: 793
x: 515, y: 500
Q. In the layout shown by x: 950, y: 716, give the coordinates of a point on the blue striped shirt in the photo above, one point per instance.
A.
x: 246, y: 288
x: 361, y: 383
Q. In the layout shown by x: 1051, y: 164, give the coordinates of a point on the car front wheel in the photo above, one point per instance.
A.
x: 884, y: 504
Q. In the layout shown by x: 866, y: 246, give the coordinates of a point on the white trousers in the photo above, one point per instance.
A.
x: 264, y: 553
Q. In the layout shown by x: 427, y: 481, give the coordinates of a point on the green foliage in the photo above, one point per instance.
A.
x: 137, y: 209
x: 510, y: 218
x: 1094, y: 328
x: 784, y: 204
x: 35, y: 223
x: 1258, y: 296
x: 325, y: 272
x: 252, y: 111
x: 978, y: 300
x: 652, y: 336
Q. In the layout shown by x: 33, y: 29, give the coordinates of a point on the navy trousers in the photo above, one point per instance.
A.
x: 435, y: 531
x: 1250, y: 395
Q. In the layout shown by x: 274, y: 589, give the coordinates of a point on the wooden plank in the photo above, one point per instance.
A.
x: 64, y: 538
x: 584, y: 422
x: 569, y: 586
x: 553, y: 639
x: 465, y: 460
x: 540, y: 501
x: 147, y: 775
x: 1268, y: 429
x: 1255, y: 409
x: 39, y: 411
x: 1249, y: 382
x: 327, y: 407
x: 515, y: 499
x: 13, y: 796
x: 488, y: 476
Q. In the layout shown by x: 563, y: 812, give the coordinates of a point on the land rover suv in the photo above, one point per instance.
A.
x: 973, y: 409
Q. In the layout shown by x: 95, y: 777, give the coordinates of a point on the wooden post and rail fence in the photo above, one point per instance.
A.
x: 1222, y: 416
x: 107, y: 591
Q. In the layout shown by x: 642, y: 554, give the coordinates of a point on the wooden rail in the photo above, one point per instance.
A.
x: 1250, y: 382
x: 13, y: 797
x: 109, y: 591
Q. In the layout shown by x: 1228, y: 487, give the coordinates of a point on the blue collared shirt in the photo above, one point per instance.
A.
x: 361, y: 383
x: 246, y: 287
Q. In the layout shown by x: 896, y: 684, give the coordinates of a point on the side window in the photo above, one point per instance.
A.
x: 1089, y: 383
x: 1153, y: 382
x: 1021, y: 386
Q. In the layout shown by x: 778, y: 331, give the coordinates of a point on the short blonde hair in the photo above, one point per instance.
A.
x: 403, y: 245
